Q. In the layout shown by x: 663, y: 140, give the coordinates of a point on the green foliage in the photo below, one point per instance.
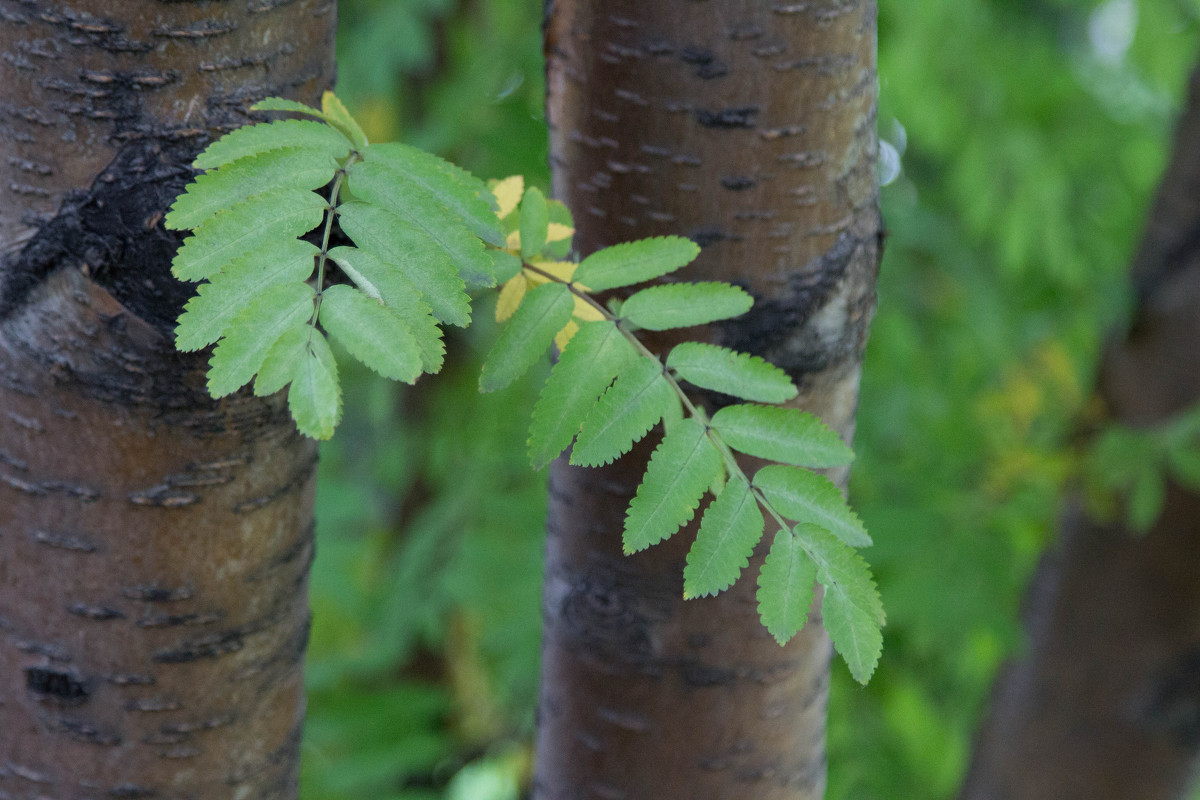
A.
x: 535, y: 221
x: 683, y: 305
x: 787, y: 435
x: 545, y: 310
x: 737, y: 374
x: 623, y: 415
x: 635, y: 262
x: 729, y: 531
x: 807, y: 497
x: 785, y: 587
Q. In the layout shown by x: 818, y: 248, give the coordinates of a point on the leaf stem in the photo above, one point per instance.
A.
x: 330, y: 213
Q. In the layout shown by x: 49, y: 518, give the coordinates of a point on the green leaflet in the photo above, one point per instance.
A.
x: 535, y: 218
x: 730, y: 528
x: 505, y: 265
x: 805, y: 496
x: 785, y: 587
x: 251, y: 140
x: 625, y: 413
x: 315, y: 398
x: 250, y: 230
x: 724, y: 370
x: 448, y: 240
x: 371, y: 333
x: 268, y: 315
x: 385, y: 282
x: 220, y: 189
x: 635, y: 262
x: 282, y: 359
x: 462, y: 194
x: 336, y: 115
x: 681, y: 469
x: 584, y: 370
x: 213, y: 309
x: 527, y: 335
x: 681, y: 305
x: 787, y: 435
x: 852, y: 610
x: 394, y: 242
x: 283, y: 104
x: 558, y: 212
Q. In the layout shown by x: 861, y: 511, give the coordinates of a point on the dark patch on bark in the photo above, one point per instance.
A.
x: 608, y: 616
x: 83, y: 732
x: 708, y: 66
x: 204, y: 647
x: 59, y: 685
x: 741, y: 117
x: 738, y: 183
x: 708, y: 236
x: 705, y: 676
x: 94, y: 612
x: 129, y: 791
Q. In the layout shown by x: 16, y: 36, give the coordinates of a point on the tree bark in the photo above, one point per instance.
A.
x: 154, y: 544
x: 1106, y: 703
x: 749, y: 127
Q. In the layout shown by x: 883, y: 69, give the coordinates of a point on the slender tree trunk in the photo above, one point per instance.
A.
x: 1106, y: 703
x: 749, y: 127
x: 154, y: 544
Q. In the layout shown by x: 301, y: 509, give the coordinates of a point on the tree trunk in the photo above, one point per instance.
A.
x: 154, y: 544
x: 1107, y: 701
x: 749, y: 127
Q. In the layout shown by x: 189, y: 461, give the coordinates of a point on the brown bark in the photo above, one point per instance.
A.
x: 154, y: 544
x: 749, y: 127
x: 1106, y: 703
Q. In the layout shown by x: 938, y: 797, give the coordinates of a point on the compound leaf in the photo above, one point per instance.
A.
x: 731, y: 372
x: 805, y: 496
x: 535, y: 221
x: 315, y: 398
x: 625, y: 413
x: 526, y: 335
x: 268, y: 315
x: 852, y: 610
x: 335, y: 114
x: 681, y: 305
x: 730, y: 528
x: 251, y: 140
x: 785, y: 587
x: 283, y: 357
x: 786, y: 435
x: 583, y: 371
x: 681, y: 469
x: 371, y: 333
x: 635, y: 262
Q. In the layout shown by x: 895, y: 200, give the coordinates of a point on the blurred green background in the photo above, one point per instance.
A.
x: 1024, y: 139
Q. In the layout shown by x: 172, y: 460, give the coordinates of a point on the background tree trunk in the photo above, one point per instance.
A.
x: 154, y: 544
x: 1106, y: 703
x: 751, y: 129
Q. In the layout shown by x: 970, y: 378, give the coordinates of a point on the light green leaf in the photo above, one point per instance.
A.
x: 786, y: 587
x: 1146, y: 497
x: 786, y: 435
x: 558, y: 212
x: 223, y: 188
x: 527, y: 335
x: 336, y: 114
x: 724, y: 370
x: 584, y: 370
x: 394, y: 242
x: 624, y: 414
x: 681, y: 305
x: 852, y: 610
x: 455, y: 244
x: 282, y: 359
x: 265, y: 319
x: 283, y: 104
x: 680, y: 471
x: 505, y: 265
x: 216, y: 304
x: 250, y: 231
x: 535, y: 219
x: 634, y: 262
x: 252, y: 140
x: 371, y: 333
x: 1183, y: 457
x: 460, y: 192
x: 805, y: 496
x: 384, y: 281
x: 730, y: 528
x: 315, y: 398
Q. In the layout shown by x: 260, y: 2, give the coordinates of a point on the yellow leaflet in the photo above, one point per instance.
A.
x: 563, y: 270
x: 510, y: 297
x: 562, y: 337
x: 508, y: 193
x: 585, y: 311
x: 513, y: 242
x: 557, y: 232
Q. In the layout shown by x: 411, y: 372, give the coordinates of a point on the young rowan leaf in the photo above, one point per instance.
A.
x: 634, y: 262
x: 527, y: 335
x: 223, y: 188
x: 681, y: 305
x: 269, y: 314
x: 315, y: 398
x: 786, y: 587
x: 505, y: 265
x: 679, y: 473
x: 535, y: 219
x: 216, y: 304
x: 283, y: 104
x: 250, y: 231
x: 624, y: 414
x: 730, y: 528
x: 805, y: 496
x: 851, y: 608
x: 786, y: 435
x: 252, y: 140
x: 724, y: 370
x: 394, y: 242
x: 583, y: 371
x: 465, y: 197
x: 336, y: 114
x: 371, y: 333
x: 282, y: 359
